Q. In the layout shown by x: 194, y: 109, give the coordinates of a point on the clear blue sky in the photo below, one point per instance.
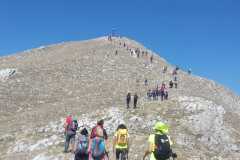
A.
x: 201, y: 34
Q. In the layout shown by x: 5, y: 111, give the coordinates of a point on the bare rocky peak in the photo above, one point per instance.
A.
x: 39, y: 87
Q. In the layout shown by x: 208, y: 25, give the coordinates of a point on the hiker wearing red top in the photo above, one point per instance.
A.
x: 70, y: 132
x: 67, y: 122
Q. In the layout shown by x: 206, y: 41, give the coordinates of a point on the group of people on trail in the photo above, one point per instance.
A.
x: 161, y: 92
x: 86, y: 146
x: 128, y: 100
x: 134, y: 51
x: 95, y: 146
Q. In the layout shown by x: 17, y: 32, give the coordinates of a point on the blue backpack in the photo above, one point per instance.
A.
x: 82, y: 146
x: 98, y: 148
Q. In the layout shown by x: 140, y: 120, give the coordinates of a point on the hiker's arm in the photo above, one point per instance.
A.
x: 65, y: 127
x: 114, y: 144
x: 147, y: 152
x: 107, y: 145
x: 75, y: 146
x: 89, y: 145
x: 129, y: 144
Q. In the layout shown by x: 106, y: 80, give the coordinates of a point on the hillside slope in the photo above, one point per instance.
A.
x: 90, y: 81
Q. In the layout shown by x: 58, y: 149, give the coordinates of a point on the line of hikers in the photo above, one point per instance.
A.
x: 94, y: 146
x: 132, y: 51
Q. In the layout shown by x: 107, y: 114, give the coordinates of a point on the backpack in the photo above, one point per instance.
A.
x: 97, y: 131
x: 162, y: 149
x: 72, y: 128
x: 122, y: 137
x: 98, y: 148
x: 82, y: 146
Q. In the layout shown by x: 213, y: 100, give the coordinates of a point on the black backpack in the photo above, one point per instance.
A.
x: 162, y: 149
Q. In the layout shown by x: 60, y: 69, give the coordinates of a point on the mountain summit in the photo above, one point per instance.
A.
x: 90, y: 79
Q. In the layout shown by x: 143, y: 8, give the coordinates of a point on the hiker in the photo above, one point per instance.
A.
x: 70, y: 132
x: 170, y: 84
x: 154, y: 94
x: 175, y: 81
x: 166, y: 94
x: 121, y: 142
x: 138, y: 54
x: 98, y: 143
x: 162, y: 91
x: 137, y: 51
x: 159, y: 143
x: 135, y: 99
x: 177, y: 68
x: 145, y: 82
x: 164, y: 69
x: 157, y: 93
x: 131, y: 52
x: 189, y: 71
x: 128, y: 99
x: 151, y: 59
x: 81, y: 146
x: 110, y: 38
x: 174, y: 72
x: 149, y: 94
x: 176, y: 85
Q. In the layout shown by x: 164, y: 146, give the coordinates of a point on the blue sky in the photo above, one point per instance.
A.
x: 201, y: 34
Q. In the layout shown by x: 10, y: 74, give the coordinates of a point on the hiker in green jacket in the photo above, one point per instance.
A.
x: 159, y: 143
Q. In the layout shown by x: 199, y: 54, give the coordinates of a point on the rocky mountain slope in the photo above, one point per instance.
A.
x: 39, y: 87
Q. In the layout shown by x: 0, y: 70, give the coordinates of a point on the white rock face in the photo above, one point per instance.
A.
x: 7, y: 73
x: 206, y: 120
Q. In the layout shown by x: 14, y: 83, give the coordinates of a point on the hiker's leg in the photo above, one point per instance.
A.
x: 117, y: 154
x: 85, y: 157
x: 135, y: 104
x: 72, y: 142
x: 66, y: 145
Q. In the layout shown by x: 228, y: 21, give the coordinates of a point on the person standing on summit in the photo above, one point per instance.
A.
x: 151, y: 59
